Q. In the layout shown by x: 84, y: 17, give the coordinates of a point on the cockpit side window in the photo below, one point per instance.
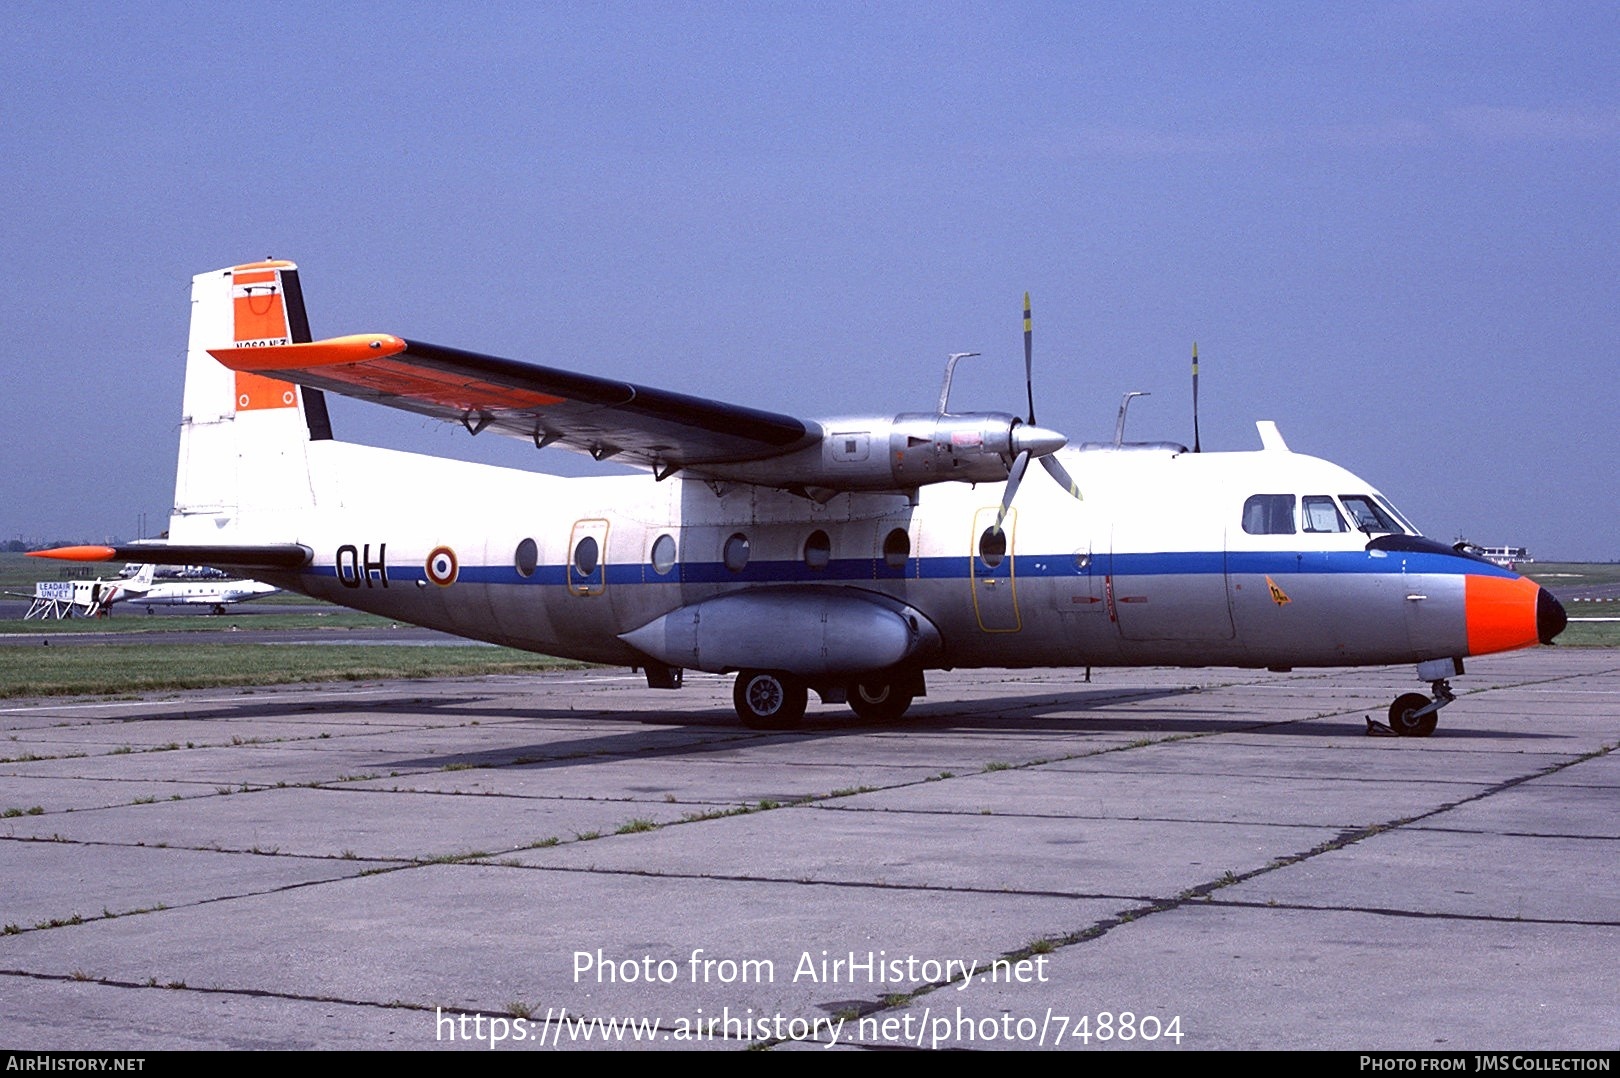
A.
x: 1269, y: 514
x: 1368, y: 515
x: 1321, y: 515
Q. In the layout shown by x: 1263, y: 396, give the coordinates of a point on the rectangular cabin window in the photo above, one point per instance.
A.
x: 1321, y: 515
x: 1269, y: 514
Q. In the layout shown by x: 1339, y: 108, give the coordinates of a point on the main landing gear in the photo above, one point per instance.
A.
x: 771, y: 700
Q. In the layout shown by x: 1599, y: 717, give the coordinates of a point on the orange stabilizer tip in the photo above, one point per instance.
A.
x: 269, y: 263
x: 333, y: 352
x: 1501, y: 613
x: 77, y: 553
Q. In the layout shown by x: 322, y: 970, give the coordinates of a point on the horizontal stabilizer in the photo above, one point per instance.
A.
x: 268, y: 556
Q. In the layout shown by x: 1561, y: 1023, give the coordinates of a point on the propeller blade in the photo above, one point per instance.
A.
x: 1015, y: 475
x: 1195, y: 398
x: 1066, y: 481
x: 1029, y: 361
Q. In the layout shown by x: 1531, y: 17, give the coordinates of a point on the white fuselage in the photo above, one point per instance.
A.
x: 1153, y: 566
x: 204, y: 592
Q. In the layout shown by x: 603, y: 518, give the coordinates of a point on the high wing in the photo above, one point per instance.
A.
x: 603, y: 417
x: 655, y: 428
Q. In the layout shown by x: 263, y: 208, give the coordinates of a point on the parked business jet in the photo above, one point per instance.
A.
x: 214, y: 594
x: 845, y: 556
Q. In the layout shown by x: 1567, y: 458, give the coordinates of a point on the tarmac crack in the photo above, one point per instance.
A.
x: 251, y: 993
x: 1417, y: 915
x: 1200, y: 895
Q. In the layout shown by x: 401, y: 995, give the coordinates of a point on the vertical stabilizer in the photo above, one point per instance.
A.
x: 243, y: 437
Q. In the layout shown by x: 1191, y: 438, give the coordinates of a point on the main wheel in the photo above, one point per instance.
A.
x: 767, y: 701
x: 877, y: 700
x: 1405, y: 720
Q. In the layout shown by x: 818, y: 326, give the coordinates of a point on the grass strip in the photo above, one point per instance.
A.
x: 111, y: 669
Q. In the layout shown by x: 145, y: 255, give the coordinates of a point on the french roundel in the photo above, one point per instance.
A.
x: 442, y: 566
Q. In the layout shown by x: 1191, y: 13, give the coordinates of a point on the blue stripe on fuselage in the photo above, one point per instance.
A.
x: 1027, y: 566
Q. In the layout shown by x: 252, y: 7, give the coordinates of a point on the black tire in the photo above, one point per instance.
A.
x: 1403, y: 717
x: 877, y: 700
x: 769, y: 701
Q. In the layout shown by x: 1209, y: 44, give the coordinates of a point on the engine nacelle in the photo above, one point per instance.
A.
x: 908, y: 451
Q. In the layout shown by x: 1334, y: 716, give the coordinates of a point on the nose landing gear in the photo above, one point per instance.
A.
x: 1413, y: 714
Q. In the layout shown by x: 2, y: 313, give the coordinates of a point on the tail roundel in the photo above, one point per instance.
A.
x: 244, y: 437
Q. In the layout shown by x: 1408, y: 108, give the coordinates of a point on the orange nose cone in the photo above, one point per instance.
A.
x: 1501, y: 613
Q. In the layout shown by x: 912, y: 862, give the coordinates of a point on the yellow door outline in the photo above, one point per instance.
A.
x: 995, y: 589
x: 587, y: 575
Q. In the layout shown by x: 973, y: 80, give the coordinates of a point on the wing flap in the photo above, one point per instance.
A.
x: 599, y: 416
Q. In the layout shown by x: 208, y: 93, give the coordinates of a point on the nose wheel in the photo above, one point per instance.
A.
x: 1413, y: 714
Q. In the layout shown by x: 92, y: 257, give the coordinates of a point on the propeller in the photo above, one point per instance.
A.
x: 1195, y: 398
x: 1028, y: 440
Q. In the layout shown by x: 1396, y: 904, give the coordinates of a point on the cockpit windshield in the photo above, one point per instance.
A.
x: 1372, y: 515
x: 1412, y: 529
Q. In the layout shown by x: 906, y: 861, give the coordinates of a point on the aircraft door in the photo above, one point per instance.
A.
x: 587, y: 557
x: 990, y: 571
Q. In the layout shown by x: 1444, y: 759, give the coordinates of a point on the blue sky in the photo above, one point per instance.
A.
x: 1391, y: 227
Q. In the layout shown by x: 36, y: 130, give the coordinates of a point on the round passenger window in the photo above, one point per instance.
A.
x: 993, y: 546
x: 818, y: 550
x: 527, y: 558
x: 736, y: 552
x: 587, y: 556
x: 663, y: 554
x: 896, y: 548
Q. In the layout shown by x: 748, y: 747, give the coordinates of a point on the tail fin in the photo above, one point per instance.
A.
x: 244, y: 438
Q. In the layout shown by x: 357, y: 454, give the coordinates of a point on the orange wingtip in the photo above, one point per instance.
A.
x: 333, y: 352
x: 77, y: 553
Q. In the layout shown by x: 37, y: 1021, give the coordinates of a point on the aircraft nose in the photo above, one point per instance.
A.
x: 1507, y: 612
x: 1550, y: 616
